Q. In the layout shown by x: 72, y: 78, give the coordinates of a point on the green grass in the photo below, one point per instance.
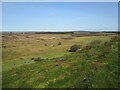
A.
x: 88, y: 68
x: 28, y: 48
x: 15, y: 63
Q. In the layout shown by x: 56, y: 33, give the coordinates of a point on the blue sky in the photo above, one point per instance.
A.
x: 60, y: 16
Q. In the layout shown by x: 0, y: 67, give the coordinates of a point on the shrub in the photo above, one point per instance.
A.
x: 32, y: 58
x: 21, y: 58
x: 74, y: 48
x: 59, y: 43
x: 45, y: 45
x: 95, y: 43
x: 106, y: 43
x: 115, y: 39
x: 38, y: 59
x: 87, y: 47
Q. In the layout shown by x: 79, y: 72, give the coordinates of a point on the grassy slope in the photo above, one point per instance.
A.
x: 95, y: 67
x: 26, y: 48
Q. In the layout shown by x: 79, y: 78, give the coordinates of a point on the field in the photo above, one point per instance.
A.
x: 94, y: 67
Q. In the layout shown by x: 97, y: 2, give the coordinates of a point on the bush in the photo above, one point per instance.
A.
x: 38, y: 59
x: 95, y: 43
x: 74, y: 48
x: 45, y: 45
x: 115, y: 39
x: 21, y: 58
x: 87, y: 47
x: 32, y: 58
x: 106, y: 43
x: 59, y: 43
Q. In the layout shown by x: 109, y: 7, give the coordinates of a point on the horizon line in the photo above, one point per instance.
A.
x: 68, y: 31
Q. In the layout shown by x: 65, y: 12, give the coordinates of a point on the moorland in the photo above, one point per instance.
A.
x: 60, y: 60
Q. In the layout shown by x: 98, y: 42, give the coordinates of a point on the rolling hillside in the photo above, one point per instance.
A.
x: 92, y: 67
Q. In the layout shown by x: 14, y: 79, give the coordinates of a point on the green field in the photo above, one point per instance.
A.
x: 94, y: 67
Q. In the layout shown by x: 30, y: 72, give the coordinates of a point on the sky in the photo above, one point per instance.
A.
x: 60, y: 16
